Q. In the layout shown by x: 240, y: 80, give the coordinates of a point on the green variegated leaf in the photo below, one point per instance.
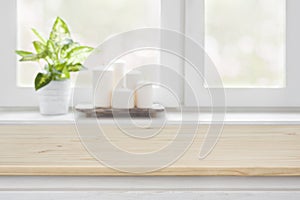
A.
x: 27, y: 56
x: 75, y: 68
x: 33, y: 57
x: 51, y: 47
x: 39, y: 47
x: 67, y: 48
x: 78, y: 54
x: 60, y: 31
x: 65, y: 73
x: 39, y: 36
x: 60, y: 67
x: 24, y: 53
x: 42, y: 80
x: 30, y: 58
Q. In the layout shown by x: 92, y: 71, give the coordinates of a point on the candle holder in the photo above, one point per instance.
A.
x: 91, y: 111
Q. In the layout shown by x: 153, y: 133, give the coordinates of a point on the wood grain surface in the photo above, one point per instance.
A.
x: 243, y: 150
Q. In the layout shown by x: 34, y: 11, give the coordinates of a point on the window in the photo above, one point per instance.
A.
x: 253, y: 43
x: 253, y: 46
x: 246, y: 41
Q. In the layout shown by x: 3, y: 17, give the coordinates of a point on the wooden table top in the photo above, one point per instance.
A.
x: 242, y: 150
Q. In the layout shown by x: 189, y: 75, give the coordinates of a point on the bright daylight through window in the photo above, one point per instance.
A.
x: 246, y: 41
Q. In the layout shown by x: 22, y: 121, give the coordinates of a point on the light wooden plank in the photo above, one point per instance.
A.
x: 243, y: 150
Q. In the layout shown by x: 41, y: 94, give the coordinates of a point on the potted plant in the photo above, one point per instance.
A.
x: 59, y: 56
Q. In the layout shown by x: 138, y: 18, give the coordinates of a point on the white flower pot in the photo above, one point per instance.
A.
x: 54, y: 98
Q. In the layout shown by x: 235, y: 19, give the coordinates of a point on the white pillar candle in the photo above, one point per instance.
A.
x: 123, y: 98
x: 144, y: 95
x: 102, y: 87
x: 119, y: 74
x: 133, y: 78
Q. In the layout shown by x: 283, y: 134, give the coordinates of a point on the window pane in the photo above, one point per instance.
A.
x: 91, y: 22
x: 246, y: 41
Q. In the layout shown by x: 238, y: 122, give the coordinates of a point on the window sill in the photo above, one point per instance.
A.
x: 31, y: 116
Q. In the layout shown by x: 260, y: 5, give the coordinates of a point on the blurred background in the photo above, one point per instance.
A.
x: 245, y: 39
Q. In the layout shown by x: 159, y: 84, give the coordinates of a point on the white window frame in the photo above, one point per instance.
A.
x: 11, y: 94
x: 288, y: 97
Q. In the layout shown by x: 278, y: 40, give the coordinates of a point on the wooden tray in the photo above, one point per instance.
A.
x: 90, y: 111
